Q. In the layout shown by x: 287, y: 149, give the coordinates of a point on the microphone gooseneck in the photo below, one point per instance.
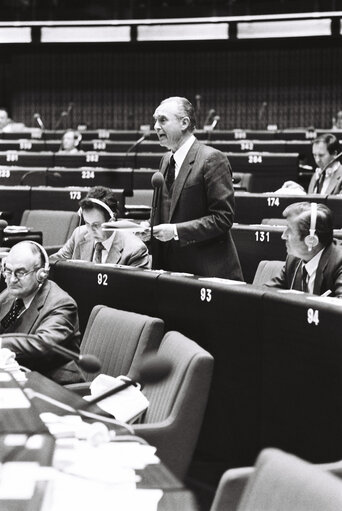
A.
x: 157, y: 182
x: 88, y: 362
x: 153, y: 369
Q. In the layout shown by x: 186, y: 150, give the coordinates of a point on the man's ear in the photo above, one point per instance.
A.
x: 185, y: 123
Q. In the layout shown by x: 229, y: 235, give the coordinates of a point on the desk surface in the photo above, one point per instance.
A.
x: 152, y: 477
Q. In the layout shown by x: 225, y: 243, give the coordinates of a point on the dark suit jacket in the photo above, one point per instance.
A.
x: 328, y: 275
x: 202, y: 207
x: 126, y: 249
x: 335, y: 185
x: 52, y: 316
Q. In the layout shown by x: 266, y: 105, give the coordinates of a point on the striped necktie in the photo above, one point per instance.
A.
x: 171, y: 173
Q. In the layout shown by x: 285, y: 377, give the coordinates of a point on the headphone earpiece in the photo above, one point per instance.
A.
x: 78, y: 138
x: 42, y: 273
x: 311, y: 240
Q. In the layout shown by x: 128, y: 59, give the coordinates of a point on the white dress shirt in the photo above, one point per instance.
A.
x: 311, y: 268
x: 107, y: 245
x: 181, y: 154
x: 328, y: 174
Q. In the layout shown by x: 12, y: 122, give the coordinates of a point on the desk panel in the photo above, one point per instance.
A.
x: 223, y: 319
x: 27, y: 159
x: 251, y: 208
x: 255, y: 243
x: 117, y: 179
x: 17, y: 176
x: 126, y: 288
x: 334, y: 202
x: 14, y: 200
x: 302, y: 376
x: 67, y: 199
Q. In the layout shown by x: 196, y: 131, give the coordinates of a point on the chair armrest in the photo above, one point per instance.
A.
x: 51, y: 249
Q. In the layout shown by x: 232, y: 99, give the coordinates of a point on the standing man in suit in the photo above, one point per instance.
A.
x: 327, y: 178
x: 314, y: 261
x: 32, y: 304
x: 195, y: 210
x: 90, y: 242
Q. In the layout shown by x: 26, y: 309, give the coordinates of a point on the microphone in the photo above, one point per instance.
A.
x: 145, y: 135
x: 89, y: 363
x: 262, y: 110
x: 40, y: 123
x: 198, y: 106
x: 157, y: 182
x: 63, y: 114
x: 210, y: 115
x: 153, y: 369
x: 215, y: 121
x: 3, y: 224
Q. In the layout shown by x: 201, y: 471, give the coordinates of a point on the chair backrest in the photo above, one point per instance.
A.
x: 266, y: 270
x: 230, y: 489
x: 174, y: 417
x: 56, y: 226
x: 283, y: 482
x: 119, y: 339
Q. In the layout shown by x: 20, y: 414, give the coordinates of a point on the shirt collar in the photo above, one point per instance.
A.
x: 330, y: 170
x: 29, y: 299
x: 181, y: 153
x: 108, y: 242
x: 312, y: 265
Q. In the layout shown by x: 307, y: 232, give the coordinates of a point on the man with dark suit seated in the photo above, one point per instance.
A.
x: 90, y: 242
x: 314, y: 261
x: 32, y: 304
x: 327, y: 178
x: 196, y: 207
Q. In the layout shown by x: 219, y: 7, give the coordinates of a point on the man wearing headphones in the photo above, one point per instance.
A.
x: 90, y: 242
x: 71, y: 142
x: 32, y: 304
x: 314, y: 261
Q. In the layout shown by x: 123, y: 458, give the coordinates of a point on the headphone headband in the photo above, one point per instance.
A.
x: 312, y: 240
x: 103, y: 205
x: 44, y: 253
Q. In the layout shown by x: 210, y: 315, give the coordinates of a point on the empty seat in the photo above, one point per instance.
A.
x: 266, y: 270
x: 56, y: 226
x: 119, y: 339
x: 173, y: 420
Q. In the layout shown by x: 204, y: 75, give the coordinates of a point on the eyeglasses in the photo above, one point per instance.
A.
x: 18, y: 274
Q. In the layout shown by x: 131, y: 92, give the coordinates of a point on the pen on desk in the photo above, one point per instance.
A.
x: 327, y: 293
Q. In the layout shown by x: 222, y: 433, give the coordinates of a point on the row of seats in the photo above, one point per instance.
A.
x: 268, y: 349
x: 120, y: 340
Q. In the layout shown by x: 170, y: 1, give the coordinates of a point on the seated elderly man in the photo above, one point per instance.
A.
x: 32, y: 304
x: 90, y: 242
x: 314, y: 261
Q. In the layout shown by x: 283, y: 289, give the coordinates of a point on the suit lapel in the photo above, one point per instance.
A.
x: 321, y: 269
x: 6, y: 305
x: 182, y: 175
x: 334, y: 181
x: 115, y: 251
x: 30, y: 316
x: 86, y: 249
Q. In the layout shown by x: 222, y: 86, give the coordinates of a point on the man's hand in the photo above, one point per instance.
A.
x: 164, y: 232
